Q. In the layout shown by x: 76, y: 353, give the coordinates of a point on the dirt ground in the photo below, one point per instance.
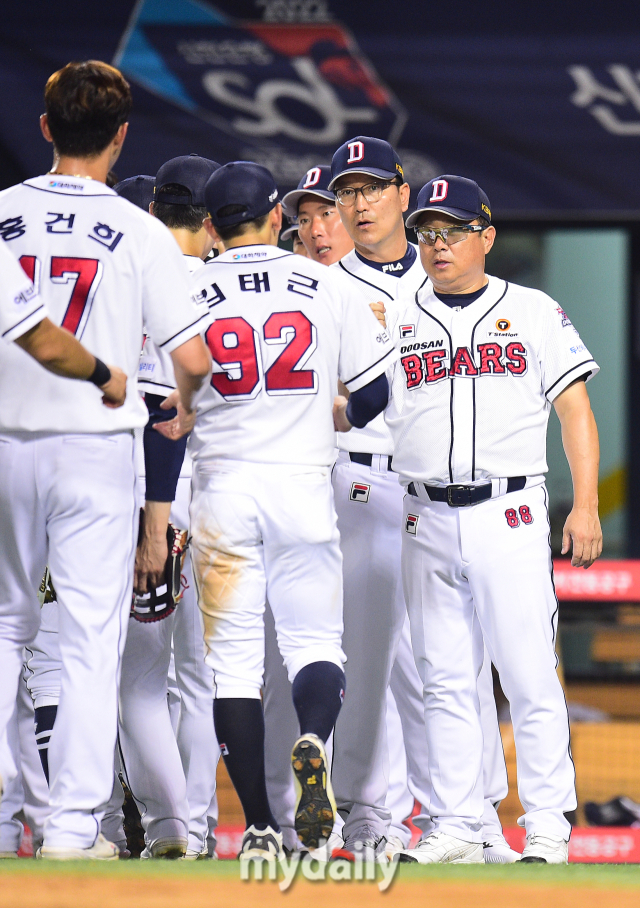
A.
x: 82, y: 887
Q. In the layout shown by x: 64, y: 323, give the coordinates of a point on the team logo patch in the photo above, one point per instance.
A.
x: 407, y: 330
x: 360, y: 492
x: 411, y: 524
x: 440, y: 191
x: 503, y: 324
x: 566, y: 321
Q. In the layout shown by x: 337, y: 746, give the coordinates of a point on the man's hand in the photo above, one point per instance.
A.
x: 582, y: 528
x: 115, y: 390
x: 152, y: 551
x: 340, y: 421
x: 181, y: 424
x: 379, y: 311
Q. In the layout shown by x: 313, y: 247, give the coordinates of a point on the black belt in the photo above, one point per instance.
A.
x: 461, y: 496
x: 367, y: 459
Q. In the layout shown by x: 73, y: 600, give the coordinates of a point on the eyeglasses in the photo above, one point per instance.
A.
x: 372, y: 192
x: 449, y: 235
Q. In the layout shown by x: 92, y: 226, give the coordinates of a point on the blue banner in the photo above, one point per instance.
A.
x: 549, y: 126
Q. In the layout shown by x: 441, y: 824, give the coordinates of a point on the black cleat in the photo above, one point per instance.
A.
x: 316, y: 808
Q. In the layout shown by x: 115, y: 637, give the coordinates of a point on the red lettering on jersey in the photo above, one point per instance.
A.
x: 490, y: 362
x: 516, y: 358
x: 413, y: 370
x: 85, y: 274
x: 233, y: 346
x: 285, y: 375
x: 463, y: 361
x: 29, y: 263
x: 433, y: 361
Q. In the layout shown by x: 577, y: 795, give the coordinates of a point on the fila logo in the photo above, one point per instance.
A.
x: 440, y: 190
x: 360, y: 492
x: 407, y: 330
x: 411, y: 525
x: 393, y: 266
x: 356, y: 152
x: 313, y: 177
x: 224, y: 750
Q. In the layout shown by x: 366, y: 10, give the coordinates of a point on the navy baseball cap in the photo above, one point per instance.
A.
x: 367, y: 155
x: 290, y: 230
x: 138, y: 190
x: 315, y: 182
x: 248, y: 187
x: 456, y: 196
x: 190, y: 171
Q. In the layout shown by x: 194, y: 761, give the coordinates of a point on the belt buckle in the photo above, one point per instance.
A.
x: 455, y: 498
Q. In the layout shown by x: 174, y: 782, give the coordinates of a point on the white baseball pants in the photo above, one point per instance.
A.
x: 369, y: 521
x: 27, y: 796
x: 265, y: 530
x: 481, y: 572
x: 70, y: 501
x: 171, y: 775
x: 378, y: 648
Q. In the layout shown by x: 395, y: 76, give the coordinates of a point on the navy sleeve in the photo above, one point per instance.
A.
x: 365, y: 404
x: 162, y: 457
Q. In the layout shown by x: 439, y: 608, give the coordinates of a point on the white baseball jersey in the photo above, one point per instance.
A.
x: 155, y: 370
x: 104, y: 268
x: 20, y: 306
x: 285, y: 330
x: 377, y: 287
x: 472, y: 390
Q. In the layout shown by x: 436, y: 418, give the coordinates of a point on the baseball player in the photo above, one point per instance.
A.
x: 172, y: 780
x: 327, y: 241
x: 68, y: 498
x: 482, y: 362
x: 319, y: 224
x: 262, y: 513
x: 371, y: 195
x: 291, y: 233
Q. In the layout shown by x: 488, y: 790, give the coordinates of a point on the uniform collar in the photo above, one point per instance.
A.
x: 359, y: 268
x: 429, y: 302
x: 257, y: 252
x: 74, y: 186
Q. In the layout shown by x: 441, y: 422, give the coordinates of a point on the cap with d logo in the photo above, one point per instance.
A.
x: 315, y: 182
x: 458, y: 197
x: 238, y: 192
x: 366, y: 155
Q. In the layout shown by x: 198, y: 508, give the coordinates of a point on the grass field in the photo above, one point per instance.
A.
x: 132, y: 884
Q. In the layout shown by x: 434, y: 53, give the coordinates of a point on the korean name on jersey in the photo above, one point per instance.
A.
x: 285, y: 329
x: 474, y: 387
x: 103, y: 268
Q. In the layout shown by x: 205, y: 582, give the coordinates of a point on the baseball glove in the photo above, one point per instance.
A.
x: 162, y: 602
x: 46, y: 590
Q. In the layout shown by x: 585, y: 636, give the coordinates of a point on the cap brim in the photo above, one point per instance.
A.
x: 291, y: 200
x: 370, y: 172
x: 458, y: 213
x: 288, y: 233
